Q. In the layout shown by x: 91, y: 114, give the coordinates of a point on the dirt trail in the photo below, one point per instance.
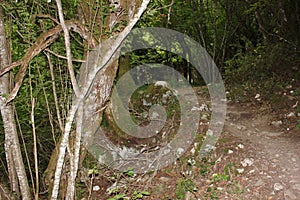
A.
x: 277, y: 154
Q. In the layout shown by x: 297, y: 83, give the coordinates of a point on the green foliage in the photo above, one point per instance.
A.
x: 129, y: 172
x: 298, y: 125
x: 139, y: 195
x: 93, y: 172
x: 221, y: 177
x: 25, y: 22
x: 183, y: 186
x: 118, y: 197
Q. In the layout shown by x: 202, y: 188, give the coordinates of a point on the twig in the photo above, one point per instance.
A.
x: 55, y: 96
x: 36, y: 167
x: 42, y: 42
x: 68, y: 49
x: 46, y: 16
x: 63, y: 57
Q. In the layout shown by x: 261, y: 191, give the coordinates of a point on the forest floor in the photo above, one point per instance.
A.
x: 256, y: 157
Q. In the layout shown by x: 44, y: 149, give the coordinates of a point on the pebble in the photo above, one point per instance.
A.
x: 278, y: 186
x: 96, y: 188
x: 277, y: 123
x: 247, y: 162
x: 259, y: 183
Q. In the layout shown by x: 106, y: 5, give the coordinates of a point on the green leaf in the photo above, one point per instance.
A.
x: 117, y: 197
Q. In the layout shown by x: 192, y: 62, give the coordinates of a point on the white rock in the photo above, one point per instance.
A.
x: 278, y: 186
x: 241, y: 127
x: 191, y: 161
x: 219, y: 160
x: 161, y: 83
x: 241, y: 146
x: 277, y: 123
x: 179, y: 151
x: 155, y: 115
x: 247, y: 162
x: 145, y: 103
x: 230, y: 151
x: 193, y: 150
x: 291, y: 114
x: 241, y: 170
x: 257, y: 96
x: 96, y: 188
x: 208, y: 148
x: 203, y: 107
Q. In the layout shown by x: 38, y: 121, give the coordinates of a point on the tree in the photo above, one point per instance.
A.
x: 12, y: 147
x: 118, y: 25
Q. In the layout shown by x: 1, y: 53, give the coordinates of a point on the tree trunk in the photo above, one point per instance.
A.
x: 12, y: 145
x: 96, y: 80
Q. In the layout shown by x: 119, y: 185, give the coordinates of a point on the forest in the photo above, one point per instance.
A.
x: 127, y: 99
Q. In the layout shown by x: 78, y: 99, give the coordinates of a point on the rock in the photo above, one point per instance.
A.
x: 96, y: 188
x: 193, y: 150
x: 259, y: 183
x: 161, y: 83
x: 278, y: 186
x: 247, y: 162
x: 291, y: 114
x: 241, y: 127
x: 230, y: 151
x: 145, y: 103
x: 277, y: 123
x: 241, y: 146
x: 202, y: 108
x: 241, y: 170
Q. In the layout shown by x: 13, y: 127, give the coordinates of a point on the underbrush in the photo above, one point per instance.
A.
x: 266, y: 76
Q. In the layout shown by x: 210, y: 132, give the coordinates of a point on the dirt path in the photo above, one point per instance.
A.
x: 276, y: 155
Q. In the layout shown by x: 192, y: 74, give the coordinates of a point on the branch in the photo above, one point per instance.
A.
x: 42, y: 42
x: 68, y: 48
x: 63, y: 57
x: 103, y: 63
x: 46, y: 16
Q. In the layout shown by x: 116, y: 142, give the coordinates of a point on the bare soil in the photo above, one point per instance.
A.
x: 253, y: 160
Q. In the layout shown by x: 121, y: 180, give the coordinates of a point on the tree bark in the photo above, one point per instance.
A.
x: 99, y: 64
x: 11, y: 137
